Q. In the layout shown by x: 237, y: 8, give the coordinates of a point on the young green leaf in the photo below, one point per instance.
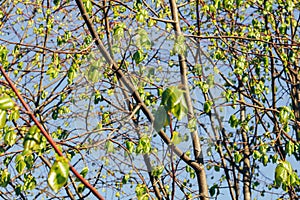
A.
x: 207, y: 106
x: 138, y: 56
x: 4, y: 177
x: 56, y: 2
x: 160, y: 118
x: 2, y: 118
x: 83, y: 173
x: 29, y: 182
x: 80, y: 187
x: 129, y: 146
x: 192, y: 124
x: 93, y: 74
x: 125, y: 179
x: 238, y: 157
x: 6, y: 102
x: 283, y: 172
x: 20, y: 164
x: 144, y: 145
x: 157, y: 171
x: 10, y: 137
x: 171, y: 97
x: 58, y: 174
x: 290, y: 147
x: 180, y: 110
x: 233, y: 121
x: 176, y: 138
x: 109, y: 146
x: 32, y: 139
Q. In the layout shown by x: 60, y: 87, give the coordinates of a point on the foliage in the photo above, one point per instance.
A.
x: 150, y: 98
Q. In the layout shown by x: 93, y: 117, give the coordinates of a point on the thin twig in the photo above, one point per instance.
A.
x: 47, y: 136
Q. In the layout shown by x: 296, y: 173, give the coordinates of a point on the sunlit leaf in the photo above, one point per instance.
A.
x: 6, y: 102
x: 58, y: 175
x: 138, y: 56
x: 129, y: 146
x: 10, y: 137
x: 20, y: 163
x: 289, y: 147
x: 2, y: 118
x: 4, y: 177
x: 83, y: 173
x: 283, y: 172
x: 176, y: 138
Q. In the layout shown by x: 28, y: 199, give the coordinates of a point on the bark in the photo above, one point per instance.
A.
x: 201, y: 174
x: 195, y: 164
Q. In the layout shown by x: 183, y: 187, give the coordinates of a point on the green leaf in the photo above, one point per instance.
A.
x: 7, y: 161
x: 44, y: 94
x: 4, y: 177
x: 285, y: 114
x: 58, y: 175
x: 144, y: 145
x: 207, y: 106
x: 238, y: 157
x: 93, y: 74
x: 18, y: 190
x: 171, y: 97
x: 142, y: 15
x: 176, y: 138
x: 212, y: 189
x: 192, y: 124
x: 282, y: 173
x: 98, y: 97
x: 180, y: 110
x: 55, y: 114
x: 210, y: 80
x: 129, y: 146
x: 160, y: 118
x: 119, y: 31
x: 256, y: 154
x: 32, y: 139
x: 14, y: 115
x: 265, y: 159
x: 290, y: 147
x: 2, y: 118
x: 179, y: 45
x: 88, y: 5
x: 56, y: 2
x: 29, y: 182
x: 141, y: 192
x: 125, y: 178
x: 20, y: 163
x: 80, y: 187
x: 83, y: 173
x: 10, y: 137
x: 109, y: 146
x: 233, y: 121
x: 29, y: 159
x: 138, y: 56
x: 6, y: 102
x: 157, y: 171
x: 71, y: 75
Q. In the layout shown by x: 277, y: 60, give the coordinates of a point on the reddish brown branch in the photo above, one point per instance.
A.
x: 48, y: 137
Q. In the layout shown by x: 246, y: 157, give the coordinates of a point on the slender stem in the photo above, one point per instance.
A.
x: 47, y: 136
x: 122, y: 78
x: 201, y: 174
